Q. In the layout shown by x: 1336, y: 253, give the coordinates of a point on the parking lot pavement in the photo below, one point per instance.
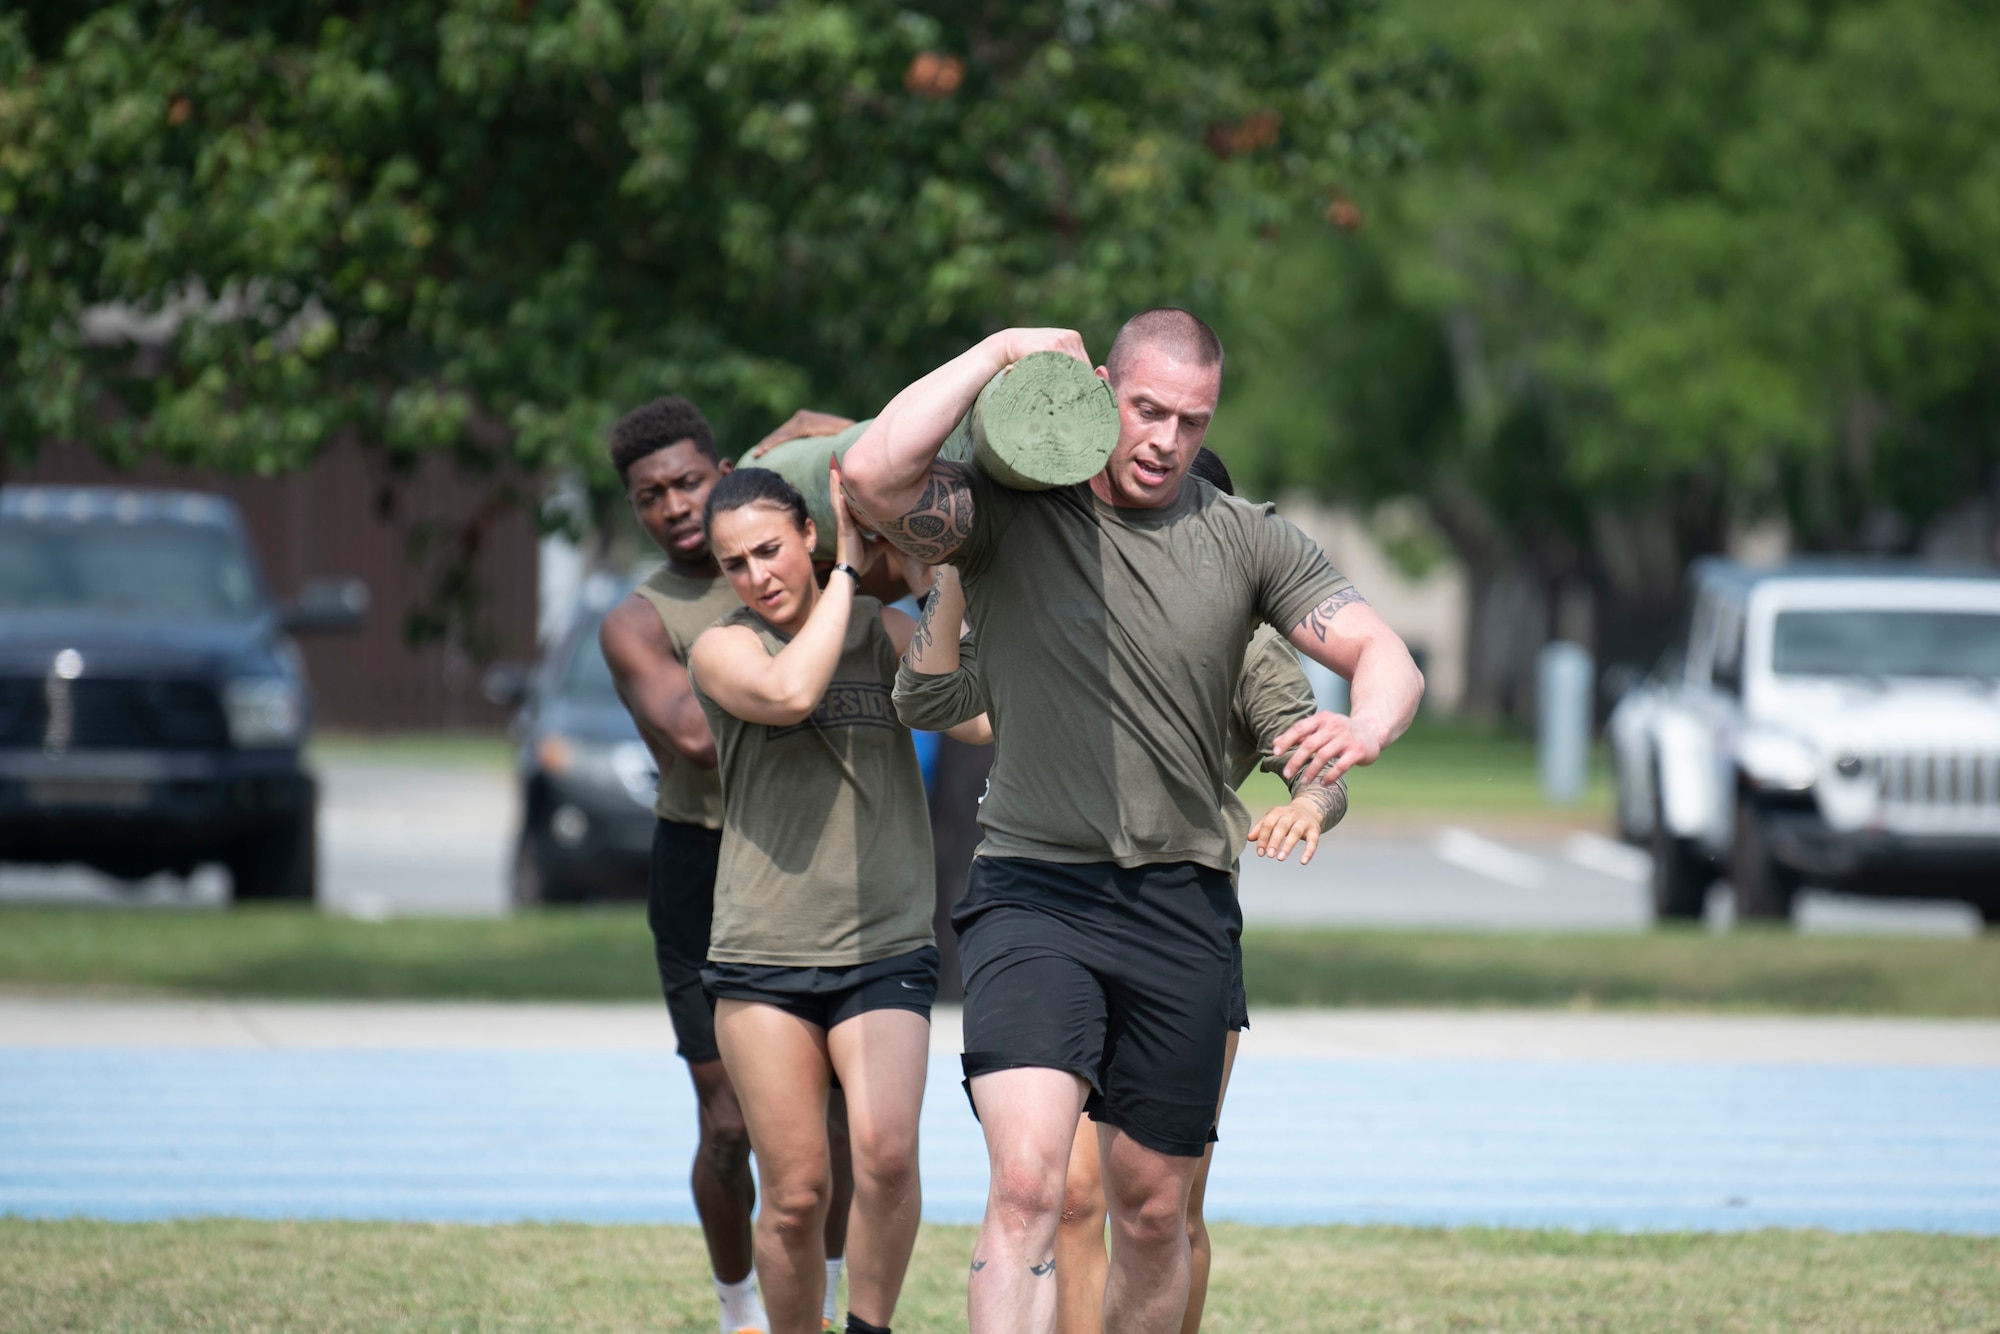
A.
x: 1530, y: 878
x: 408, y: 839
x: 482, y: 1114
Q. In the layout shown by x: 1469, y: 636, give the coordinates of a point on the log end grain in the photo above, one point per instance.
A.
x: 1045, y: 421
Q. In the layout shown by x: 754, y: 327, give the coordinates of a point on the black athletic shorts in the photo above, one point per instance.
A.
x: 830, y: 996
x: 1118, y: 974
x: 680, y: 907
x: 1239, y: 996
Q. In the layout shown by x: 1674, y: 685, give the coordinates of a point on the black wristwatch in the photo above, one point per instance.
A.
x: 845, y: 568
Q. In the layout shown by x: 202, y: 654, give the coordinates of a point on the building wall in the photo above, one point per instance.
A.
x: 345, y: 516
x: 1430, y: 613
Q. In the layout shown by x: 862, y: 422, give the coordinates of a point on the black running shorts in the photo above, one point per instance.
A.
x: 1239, y: 996
x: 680, y: 906
x: 1118, y: 974
x: 827, y: 997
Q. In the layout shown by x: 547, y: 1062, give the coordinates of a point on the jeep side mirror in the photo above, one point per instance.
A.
x: 325, y: 604
x: 507, y: 684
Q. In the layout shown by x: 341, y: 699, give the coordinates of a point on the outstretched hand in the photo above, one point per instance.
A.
x: 1283, y: 828
x: 1325, y: 746
x: 801, y: 424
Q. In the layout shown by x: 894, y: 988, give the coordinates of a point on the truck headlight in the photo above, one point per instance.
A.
x: 263, y: 711
x: 1778, y: 761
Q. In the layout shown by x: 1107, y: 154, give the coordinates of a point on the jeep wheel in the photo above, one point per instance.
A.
x: 1765, y: 891
x: 1681, y: 876
x: 280, y: 863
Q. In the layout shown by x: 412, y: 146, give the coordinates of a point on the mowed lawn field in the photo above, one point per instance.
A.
x: 336, y: 1277
x: 606, y: 954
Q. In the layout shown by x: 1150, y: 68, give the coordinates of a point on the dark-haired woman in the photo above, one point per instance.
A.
x: 821, y: 959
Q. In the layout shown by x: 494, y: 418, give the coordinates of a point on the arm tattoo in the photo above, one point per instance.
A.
x: 922, y: 637
x: 1330, y: 801
x: 939, y: 522
x: 1321, y: 617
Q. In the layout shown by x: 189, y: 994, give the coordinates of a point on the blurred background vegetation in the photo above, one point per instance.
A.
x: 1565, y: 294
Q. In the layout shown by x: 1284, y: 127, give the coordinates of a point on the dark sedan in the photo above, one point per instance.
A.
x: 587, y: 780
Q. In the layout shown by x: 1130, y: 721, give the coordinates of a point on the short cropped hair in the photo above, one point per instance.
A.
x: 745, y: 487
x: 1208, y: 466
x: 1179, y: 333
x: 658, y: 425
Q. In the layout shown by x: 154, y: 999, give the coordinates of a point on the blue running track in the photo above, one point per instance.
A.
x: 605, y: 1137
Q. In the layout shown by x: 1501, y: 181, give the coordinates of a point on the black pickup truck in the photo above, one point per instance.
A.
x: 152, y: 703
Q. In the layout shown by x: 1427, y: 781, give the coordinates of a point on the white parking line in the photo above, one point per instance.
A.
x: 1482, y: 856
x: 1620, y: 861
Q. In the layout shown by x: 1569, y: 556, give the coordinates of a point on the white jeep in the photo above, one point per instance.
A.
x: 1833, y: 724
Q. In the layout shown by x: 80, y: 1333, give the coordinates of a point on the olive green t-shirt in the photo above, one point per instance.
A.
x: 826, y: 836
x: 687, y: 794
x: 1112, y: 640
x: 1271, y: 694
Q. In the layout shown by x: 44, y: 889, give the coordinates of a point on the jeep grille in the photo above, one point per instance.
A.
x: 1940, y: 791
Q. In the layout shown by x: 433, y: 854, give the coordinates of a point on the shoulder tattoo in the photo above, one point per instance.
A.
x: 1321, y: 617
x: 940, y: 521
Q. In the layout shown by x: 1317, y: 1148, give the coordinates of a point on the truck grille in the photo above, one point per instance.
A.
x: 98, y: 714
x: 1939, y: 791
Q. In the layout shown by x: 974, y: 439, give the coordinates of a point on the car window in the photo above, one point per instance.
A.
x: 169, y: 571
x: 1726, y: 665
x: 586, y: 677
x: 1857, y: 642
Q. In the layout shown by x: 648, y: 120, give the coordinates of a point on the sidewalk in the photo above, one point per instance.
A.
x: 1517, y: 1035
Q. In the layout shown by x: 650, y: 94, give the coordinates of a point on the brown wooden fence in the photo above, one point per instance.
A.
x: 347, y: 516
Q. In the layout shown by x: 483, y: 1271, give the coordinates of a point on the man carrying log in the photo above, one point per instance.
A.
x: 1098, y: 918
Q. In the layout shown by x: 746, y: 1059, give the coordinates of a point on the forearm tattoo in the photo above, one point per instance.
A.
x: 923, y: 637
x: 1320, y: 618
x: 1329, y: 800
x: 939, y: 522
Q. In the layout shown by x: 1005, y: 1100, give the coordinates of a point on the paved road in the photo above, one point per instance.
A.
x: 406, y: 839
x: 547, y: 1112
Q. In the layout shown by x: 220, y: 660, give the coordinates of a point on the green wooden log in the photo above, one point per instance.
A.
x: 1046, y: 421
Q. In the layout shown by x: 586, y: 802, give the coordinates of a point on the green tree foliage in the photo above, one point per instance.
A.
x: 1672, y: 265
x: 486, y: 227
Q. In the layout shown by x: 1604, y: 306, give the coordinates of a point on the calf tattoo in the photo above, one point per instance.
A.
x: 978, y: 1265
x: 940, y: 521
x: 1321, y: 617
x: 1043, y: 1270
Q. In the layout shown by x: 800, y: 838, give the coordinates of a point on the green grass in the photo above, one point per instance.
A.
x: 606, y: 955
x: 384, y: 1278
x: 456, y: 750
x: 1454, y: 765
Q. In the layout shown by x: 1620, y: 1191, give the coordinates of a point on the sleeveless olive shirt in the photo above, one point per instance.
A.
x: 826, y: 836
x: 688, y: 795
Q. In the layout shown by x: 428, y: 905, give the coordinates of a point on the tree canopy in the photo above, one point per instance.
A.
x: 241, y: 229
x: 1672, y: 266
